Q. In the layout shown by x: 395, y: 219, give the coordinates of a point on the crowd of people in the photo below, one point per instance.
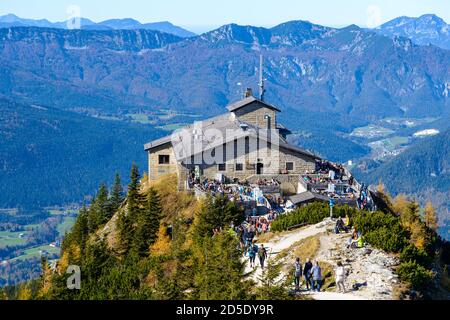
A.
x: 309, y: 274
x: 267, y: 182
x: 364, y: 200
x: 325, y: 167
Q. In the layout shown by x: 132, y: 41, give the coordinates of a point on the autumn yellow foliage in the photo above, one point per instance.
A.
x: 162, y: 244
x: 24, y: 292
x: 430, y: 216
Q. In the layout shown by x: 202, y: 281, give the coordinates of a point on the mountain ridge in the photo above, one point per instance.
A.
x: 11, y: 20
x: 424, y: 30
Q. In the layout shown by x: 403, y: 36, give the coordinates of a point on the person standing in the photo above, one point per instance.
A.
x: 252, y: 251
x: 297, y: 273
x: 307, y: 273
x: 340, y: 277
x: 262, y: 254
x: 316, y: 276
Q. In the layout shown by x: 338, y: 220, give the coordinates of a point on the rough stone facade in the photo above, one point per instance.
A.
x: 157, y: 170
x: 245, y: 159
x: 259, y: 115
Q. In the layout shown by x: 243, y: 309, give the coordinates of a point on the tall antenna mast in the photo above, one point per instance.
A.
x: 262, y: 90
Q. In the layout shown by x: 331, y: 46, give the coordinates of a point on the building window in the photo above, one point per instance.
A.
x: 289, y: 166
x: 222, y: 167
x: 164, y: 159
x: 239, y: 167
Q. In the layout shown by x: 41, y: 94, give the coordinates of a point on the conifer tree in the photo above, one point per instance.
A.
x: 128, y: 218
x: 80, y: 231
x: 134, y: 198
x: 411, y: 214
x: 220, y: 271
x: 98, y: 211
x: 148, y: 224
x: 430, y: 217
x: 24, y: 292
x: 272, y: 287
x: 116, y: 197
x: 216, y: 212
x: 45, y: 279
x: 125, y: 231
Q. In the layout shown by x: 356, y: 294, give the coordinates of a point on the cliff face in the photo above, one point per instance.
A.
x: 308, y: 68
x: 118, y: 40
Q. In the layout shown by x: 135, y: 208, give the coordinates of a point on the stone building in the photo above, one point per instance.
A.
x: 246, y: 143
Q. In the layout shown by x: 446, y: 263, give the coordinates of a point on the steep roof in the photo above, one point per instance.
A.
x: 201, y: 138
x: 245, y: 102
x: 221, y: 124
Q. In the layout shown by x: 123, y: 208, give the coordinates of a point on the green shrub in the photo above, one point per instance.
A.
x: 415, y: 274
x: 311, y: 214
x: 381, y: 230
x: 342, y: 211
x: 411, y: 253
x: 387, y: 239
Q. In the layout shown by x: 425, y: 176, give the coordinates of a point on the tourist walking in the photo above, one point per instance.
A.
x: 316, y: 272
x: 252, y: 251
x: 340, y: 278
x: 297, y: 273
x: 307, y: 273
x: 262, y: 254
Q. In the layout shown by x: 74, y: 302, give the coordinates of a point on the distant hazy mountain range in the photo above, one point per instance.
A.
x: 425, y: 30
x: 12, y: 20
x: 327, y: 82
x: 309, y: 67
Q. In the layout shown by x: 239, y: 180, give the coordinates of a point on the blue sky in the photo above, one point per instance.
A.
x: 201, y: 15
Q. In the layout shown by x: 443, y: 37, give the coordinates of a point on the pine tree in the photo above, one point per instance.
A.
x: 24, y: 292
x: 148, y: 224
x: 45, y: 279
x: 80, y: 231
x: 128, y: 218
x: 125, y: 231
x: 220, y: 273
x: 116, y: 198
x: 216, y: 212
x: 98, y: 211
x: 411, y: 214
x: 430, y: 217
x: 134, y: 198
x: 400, y: 204
x: 272, y: 287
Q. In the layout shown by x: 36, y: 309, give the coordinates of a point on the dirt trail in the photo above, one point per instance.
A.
x: 284, y: 241
x: 370, y: 271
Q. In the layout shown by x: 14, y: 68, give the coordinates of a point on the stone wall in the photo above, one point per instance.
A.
x: 157, y: 170
x: 302, y: 163
x: 255, y: 113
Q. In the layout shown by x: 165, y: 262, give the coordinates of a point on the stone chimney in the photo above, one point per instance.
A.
x: 249, y: 92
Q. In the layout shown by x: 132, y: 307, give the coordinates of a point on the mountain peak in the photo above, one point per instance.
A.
x: 431, y: 18
x: 424, y: 30
x: 9, y: 18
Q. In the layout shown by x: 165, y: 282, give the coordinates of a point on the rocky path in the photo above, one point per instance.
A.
x: 284, y: 241
x: 370, y: 271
